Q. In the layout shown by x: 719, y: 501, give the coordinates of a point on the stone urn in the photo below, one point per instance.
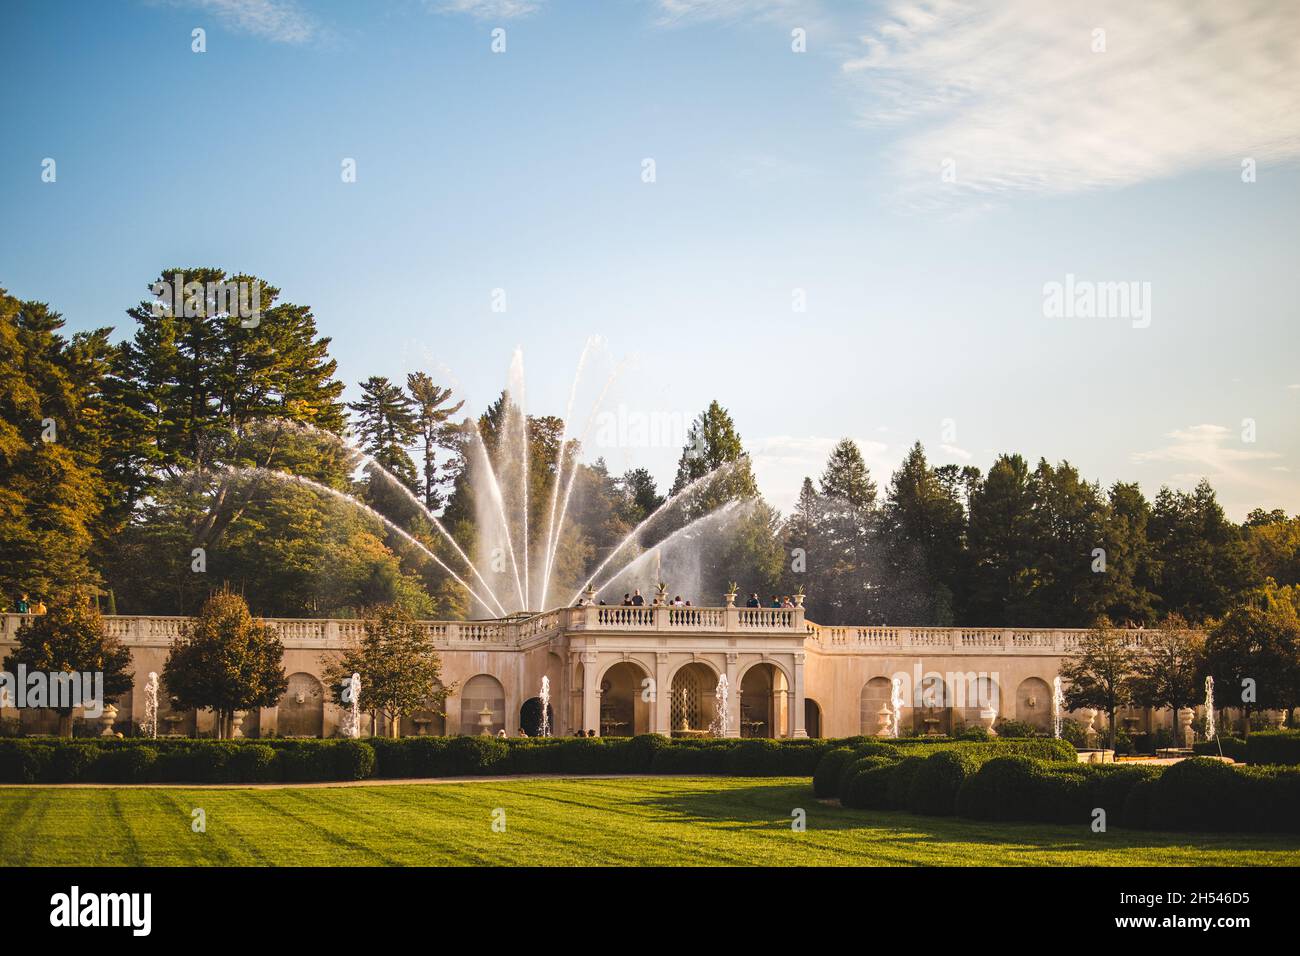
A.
x: 485, y: 721
x: 730, y: 598
x: 237, y: 724
x: 798, y: 597
x: 885, y: 721
x: 1277, y: 718
x: 1185, y: 732
x: 988, y: 716
x: 107, y: 719
x: 1089, y: 731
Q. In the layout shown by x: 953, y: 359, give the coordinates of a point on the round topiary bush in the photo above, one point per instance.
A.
x: 826, y: 778
x: 1197, y: 794
x: 868, y: 788
x: 1136, y: 811
x: 1002, y: 789
x: 900, y: 782
x: 933, y: 790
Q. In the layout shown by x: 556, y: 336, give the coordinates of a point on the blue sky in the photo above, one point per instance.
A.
x: 777, y: 175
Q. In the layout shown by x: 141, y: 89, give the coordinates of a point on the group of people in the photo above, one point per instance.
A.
x: 636, y: 599
x: 25, y: 605
x: 776, y: 602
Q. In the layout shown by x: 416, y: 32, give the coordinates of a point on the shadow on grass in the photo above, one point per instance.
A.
x: 768, y: 807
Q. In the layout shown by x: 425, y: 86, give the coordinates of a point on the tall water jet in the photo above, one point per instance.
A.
x: 896, y: 705
x: 721, y: 718
x: 151, y: 705
x: 545, y: 697
x: 1058, y: 707
x: 635, y: 533
x: 352, y: 716
x: 284, y: 476
x: 1210, y: 730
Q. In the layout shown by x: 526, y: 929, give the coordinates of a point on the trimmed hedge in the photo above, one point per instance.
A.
x: 1280, y: 747
x: 267, y: 760
x: 934, y: 787
x: 868, y: 786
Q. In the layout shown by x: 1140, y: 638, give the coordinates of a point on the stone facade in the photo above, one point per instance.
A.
x: 609, y: 668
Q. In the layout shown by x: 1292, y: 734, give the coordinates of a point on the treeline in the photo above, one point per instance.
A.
x: 151, y: 472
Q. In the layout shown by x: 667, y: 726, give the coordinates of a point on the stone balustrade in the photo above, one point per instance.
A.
x: 957, y: 640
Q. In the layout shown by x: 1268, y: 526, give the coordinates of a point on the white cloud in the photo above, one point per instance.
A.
x: 1013, y: 93
x: 489, y: 9
x: 280, y: 21
x: 1217, y: 450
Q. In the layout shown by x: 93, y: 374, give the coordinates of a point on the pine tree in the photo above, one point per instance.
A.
x: 712, y: 441
x: 432, y: 416
x: 387, y: 425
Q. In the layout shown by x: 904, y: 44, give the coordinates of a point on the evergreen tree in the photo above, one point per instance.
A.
x: 712, y: 441
x: 1003, y: 545
x: 387, y: 425
x: 432, y: 415
x: 1203, y: 560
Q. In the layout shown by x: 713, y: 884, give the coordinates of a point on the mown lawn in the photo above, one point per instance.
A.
x: 655, y: 820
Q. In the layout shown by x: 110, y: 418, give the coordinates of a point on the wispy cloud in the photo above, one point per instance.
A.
x: 1214, y: 450
x: 1012, y: 92
x: 488, y: 9
x: 280, y: 21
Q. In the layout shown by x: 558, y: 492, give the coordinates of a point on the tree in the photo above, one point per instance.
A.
x: 1203, y: 560
x: 1273, y: 541
x: 1100, y: 672
x: 400, y: 670
x: 52, y: 491
x: 70, y: 638
x: 641, y: 498
x: 387, y: 425
x: 431, y: 415
x: 1169, y: 672
x: 1003, y: 545
x: 711, y: 442
x: 1253, y: 653
x: 225, y: 660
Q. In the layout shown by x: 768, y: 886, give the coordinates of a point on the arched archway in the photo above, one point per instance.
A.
x: 428, y: 720
x: 876, y: 693
x: 812, y: 717
x: 482, y: 692
x: 302, y: 708
x: 933, y: 711
x: 530, y: 717
x: 692, y: 706
x: 763, y: 701
x: 623, y: 713
x: 1034, y: 703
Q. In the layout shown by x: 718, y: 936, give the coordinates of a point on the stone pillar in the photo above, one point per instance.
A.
x: 590, y: 693
x: 797, y: 728
x: 661, y: 708
x: 733, y: 695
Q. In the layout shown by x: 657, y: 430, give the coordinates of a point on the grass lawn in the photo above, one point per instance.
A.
x: 653, y: 820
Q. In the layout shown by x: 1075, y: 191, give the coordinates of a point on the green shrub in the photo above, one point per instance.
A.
x: 975, y: 732
x: 353, y: 760
x: 642, y: 751
x: 934, y: 787
x: 868, y: 787
x: 826, y: 777
x: 1281, y: 747
x: 1015, y: 728
x: 1138, y: 805
x: 127, y: 765
x: 72, y: 763
x: 1198, y: 794
x: 899, y: 784
x: 470, y: 756
x: 1234, y: 748
x: 255, y: 763
x: 1002, y: 789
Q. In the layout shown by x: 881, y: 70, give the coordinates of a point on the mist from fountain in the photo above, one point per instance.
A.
x: 684, y: 553
x: 151, y: 705
x: 658, y: 513
x: 896, y: 704
x: 286, y: 478
x: 352, y: 724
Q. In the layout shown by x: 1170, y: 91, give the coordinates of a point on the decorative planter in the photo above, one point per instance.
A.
x: 885, y: 722
x: 798, y: 600
x: 730, y: 599
x: 107, y: 719
x: 1185, y: 732
x: 987, y: 717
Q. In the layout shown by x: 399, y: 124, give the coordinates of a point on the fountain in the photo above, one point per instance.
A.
x: 721, y: 718
x: 352, y: 716
x: 546, y: 707
x: 1210, y: 731
x: 896, y: 705
x: 1058, y: 706
x: 151, y: 705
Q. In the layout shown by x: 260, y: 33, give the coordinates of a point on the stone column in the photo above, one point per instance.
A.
x: 797, y: 728
x: 661, y: 708
x: 733, y: 695
x: 590, y: 693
